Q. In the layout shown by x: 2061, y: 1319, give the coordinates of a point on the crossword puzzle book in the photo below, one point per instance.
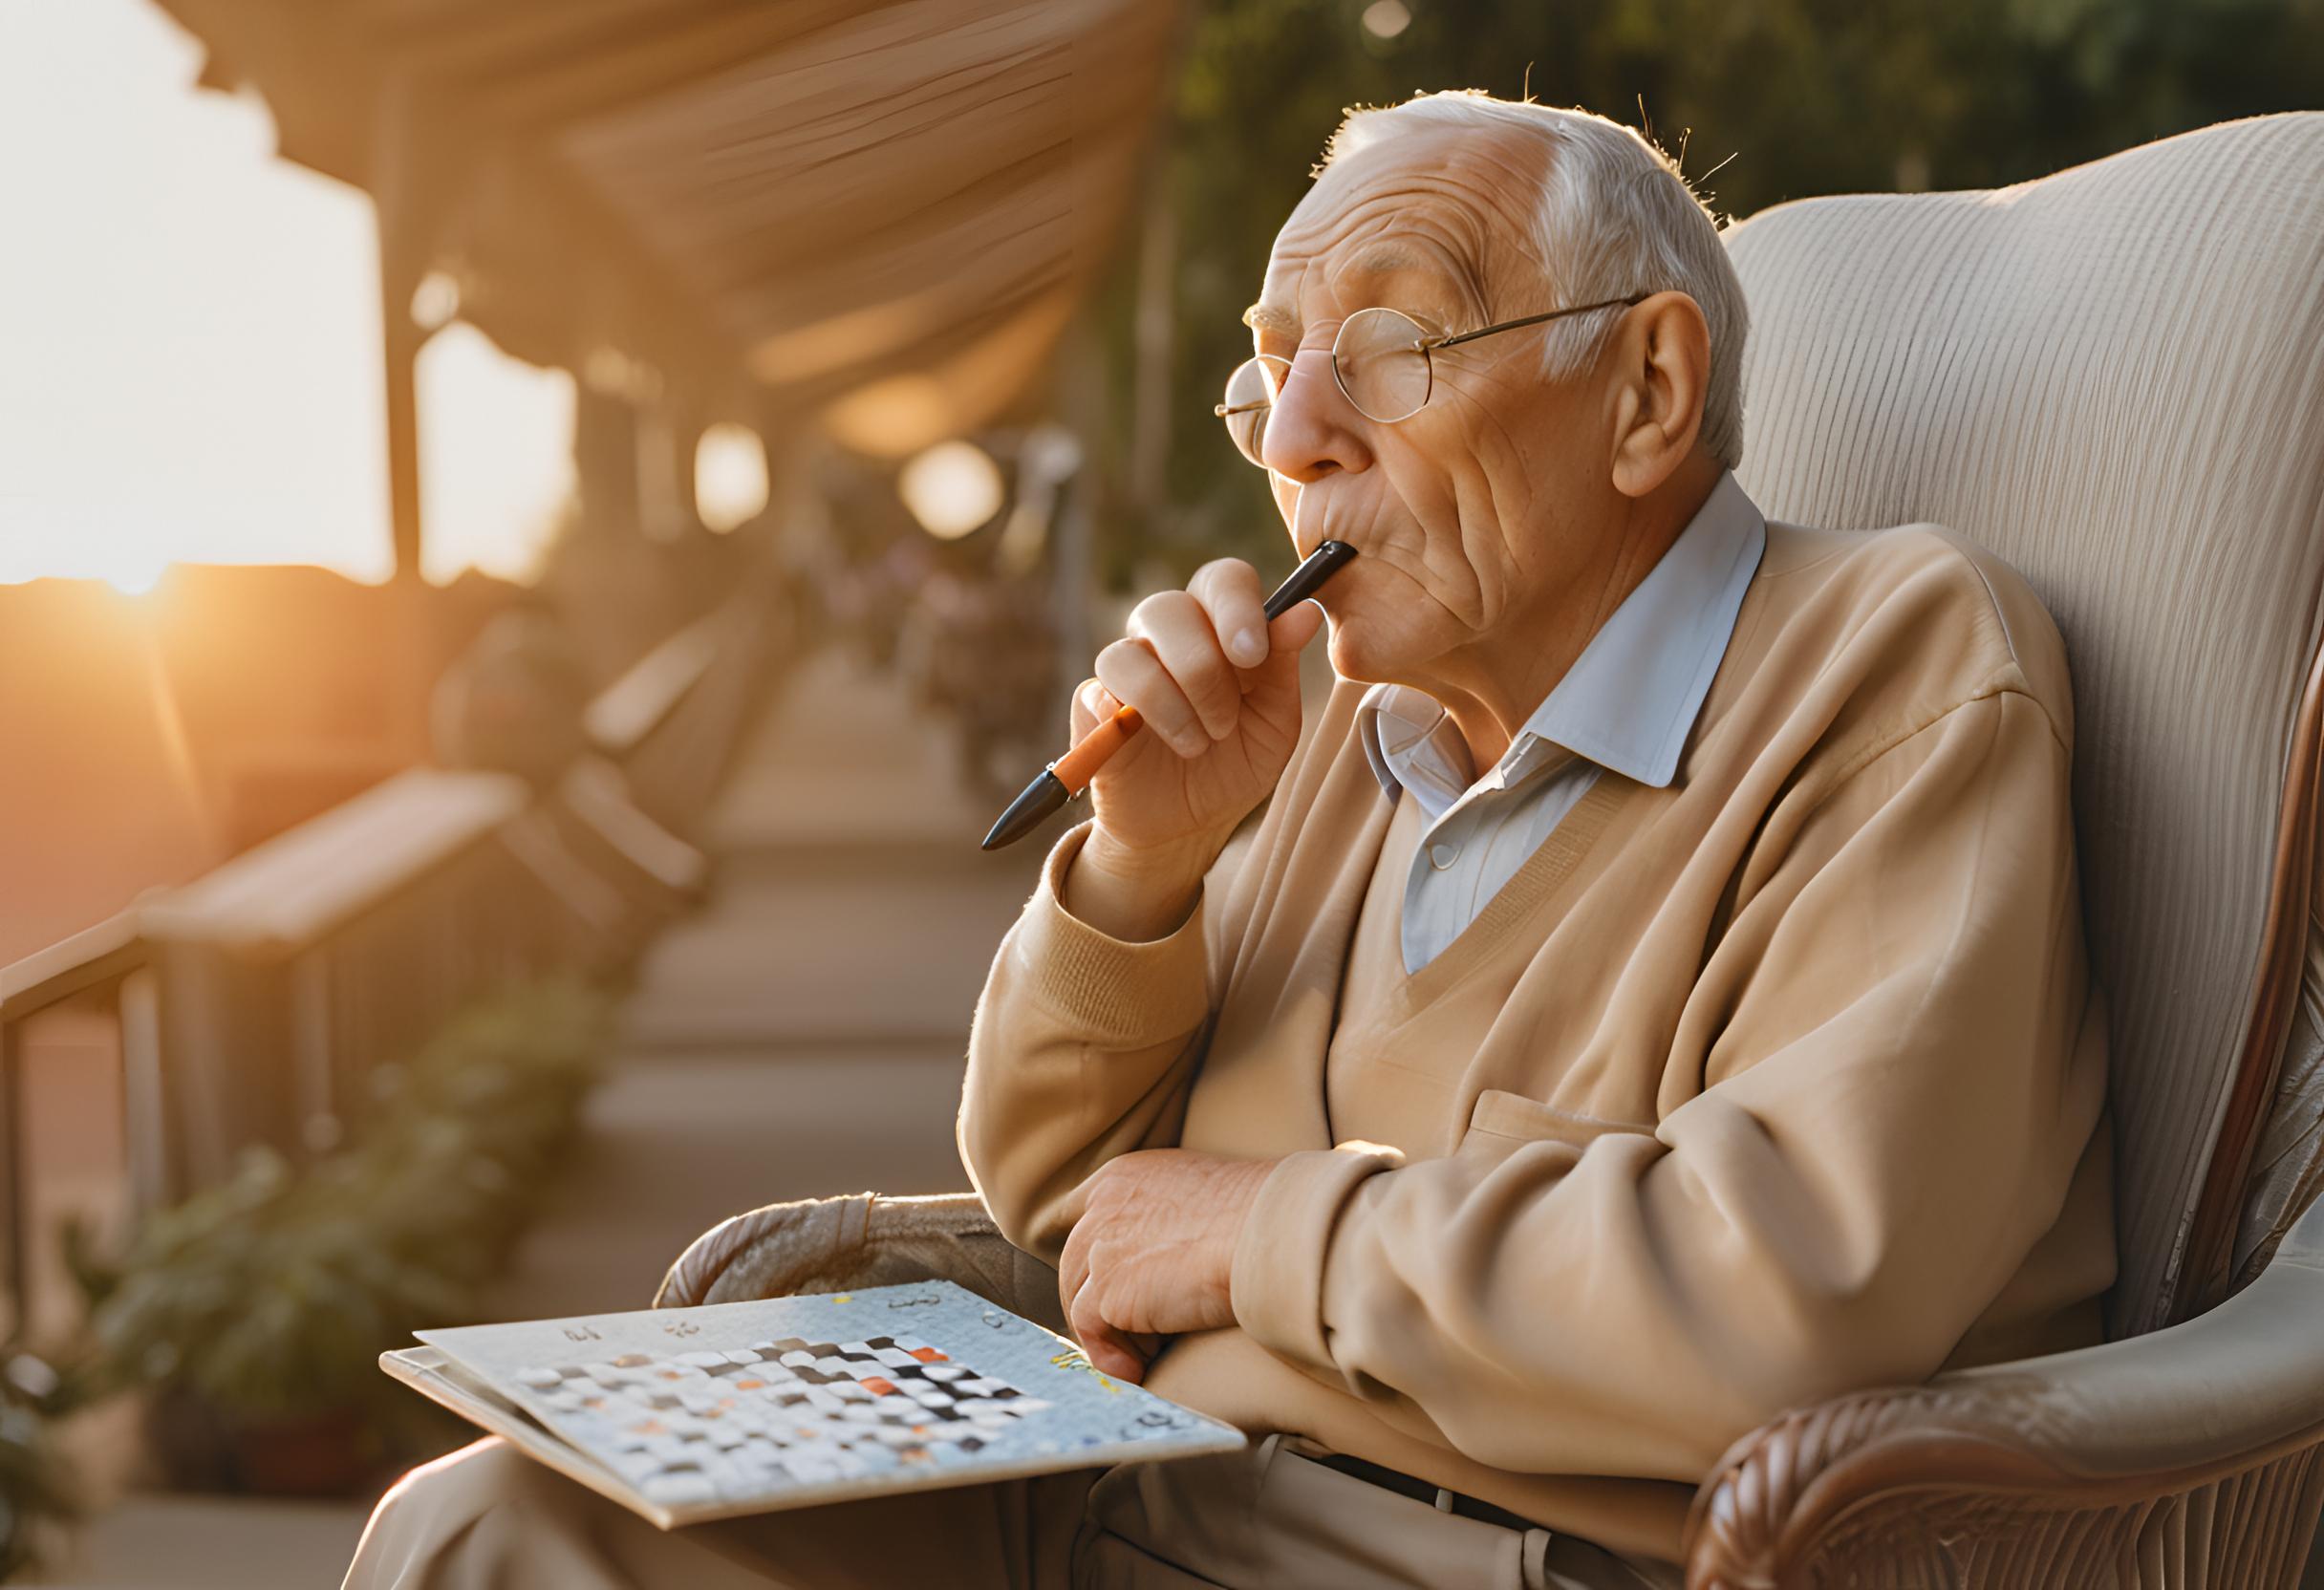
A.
x: 687, y: 1414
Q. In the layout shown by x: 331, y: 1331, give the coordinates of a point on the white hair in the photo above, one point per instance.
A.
x: 1616, y: 218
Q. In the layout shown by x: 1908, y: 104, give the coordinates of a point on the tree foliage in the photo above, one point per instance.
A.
x: 1771, y: 100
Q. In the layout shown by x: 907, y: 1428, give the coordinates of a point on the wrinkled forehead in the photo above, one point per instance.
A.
x: 1436, y: 221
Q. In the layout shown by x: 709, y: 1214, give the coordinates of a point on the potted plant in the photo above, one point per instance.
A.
x: 255, y: 1312
x: 39, y: 1496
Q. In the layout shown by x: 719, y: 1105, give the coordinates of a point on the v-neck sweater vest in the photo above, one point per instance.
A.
x: 1782, y: 1081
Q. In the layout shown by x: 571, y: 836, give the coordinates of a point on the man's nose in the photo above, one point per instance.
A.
x: 1312, y: 429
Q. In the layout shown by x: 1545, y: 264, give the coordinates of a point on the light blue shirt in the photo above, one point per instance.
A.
x: 1625, y: 706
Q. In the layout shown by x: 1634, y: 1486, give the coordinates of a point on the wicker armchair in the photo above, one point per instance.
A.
x: 2114, y: 377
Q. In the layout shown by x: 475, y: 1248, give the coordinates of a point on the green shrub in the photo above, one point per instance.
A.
x: 37, y: 1491
x: 273, y: 1294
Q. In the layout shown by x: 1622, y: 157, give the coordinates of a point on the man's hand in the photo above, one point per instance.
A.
x: 1219, y: 687
x: 1152, y: 1251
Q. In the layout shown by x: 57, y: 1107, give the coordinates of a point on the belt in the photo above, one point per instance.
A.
x: 1436, y: 1497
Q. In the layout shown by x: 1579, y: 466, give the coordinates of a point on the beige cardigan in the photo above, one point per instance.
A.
x: 1780, y: 1082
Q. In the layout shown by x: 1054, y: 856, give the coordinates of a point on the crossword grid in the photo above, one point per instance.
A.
x: 695, y: 1427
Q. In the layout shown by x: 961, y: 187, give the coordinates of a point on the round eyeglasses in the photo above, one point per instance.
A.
x: 1381, y: 360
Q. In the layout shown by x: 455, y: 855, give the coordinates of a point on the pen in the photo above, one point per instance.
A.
x: 1070, y: 774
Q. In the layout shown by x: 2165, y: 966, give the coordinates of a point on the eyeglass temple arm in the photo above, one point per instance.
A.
x: 1433, y: 343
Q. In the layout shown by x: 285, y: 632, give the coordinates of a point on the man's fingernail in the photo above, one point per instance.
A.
x: 1251, y: 646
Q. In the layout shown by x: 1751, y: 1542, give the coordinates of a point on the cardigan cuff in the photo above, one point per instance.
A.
x: 1277, y: 1284
x: 1111, y: 992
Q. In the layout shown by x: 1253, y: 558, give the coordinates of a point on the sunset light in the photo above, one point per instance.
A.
x: 134, y: 571
x: 574, y: 952
x: 190, y: 366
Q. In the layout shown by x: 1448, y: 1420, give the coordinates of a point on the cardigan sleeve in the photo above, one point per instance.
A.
x: 1902, y: 1066
x: 1083, y: 1047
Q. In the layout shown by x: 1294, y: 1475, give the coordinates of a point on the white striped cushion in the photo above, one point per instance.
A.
x: 2114, y: 377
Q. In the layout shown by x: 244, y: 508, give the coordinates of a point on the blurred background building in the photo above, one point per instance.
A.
x: 505, y: 499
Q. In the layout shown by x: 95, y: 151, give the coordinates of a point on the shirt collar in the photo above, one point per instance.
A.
x: 1630, y: 699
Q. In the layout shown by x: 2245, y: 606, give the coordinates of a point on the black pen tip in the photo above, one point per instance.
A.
x: 1043, y: 799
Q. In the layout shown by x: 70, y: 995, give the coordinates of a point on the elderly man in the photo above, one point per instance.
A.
x: 1647, y: 996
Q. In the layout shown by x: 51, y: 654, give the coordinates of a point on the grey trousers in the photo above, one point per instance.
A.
x: 489, y: 1518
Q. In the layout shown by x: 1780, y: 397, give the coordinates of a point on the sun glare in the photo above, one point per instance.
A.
x: 730, y: 482
x: 133, y: 576
x: 496, y: 456
x: 952, y: 489
x: 88, y: 549
x: 190, y: 364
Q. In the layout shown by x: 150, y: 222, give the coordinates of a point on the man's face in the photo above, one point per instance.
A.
x: 1465, y: 512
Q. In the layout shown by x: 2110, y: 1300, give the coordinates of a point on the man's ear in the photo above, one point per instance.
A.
x: 1661, y: 375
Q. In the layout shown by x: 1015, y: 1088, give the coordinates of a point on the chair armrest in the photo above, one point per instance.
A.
x: 2193, y: 1450
x: 832, y: 1244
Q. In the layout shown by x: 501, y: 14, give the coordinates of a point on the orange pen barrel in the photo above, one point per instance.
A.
x: 1077, y: 766
x: 1057, y: 785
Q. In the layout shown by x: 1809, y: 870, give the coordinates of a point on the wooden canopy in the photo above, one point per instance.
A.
x: 882, y: 213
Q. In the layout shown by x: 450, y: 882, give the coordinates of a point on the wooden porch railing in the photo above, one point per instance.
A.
x: 256, y: 1005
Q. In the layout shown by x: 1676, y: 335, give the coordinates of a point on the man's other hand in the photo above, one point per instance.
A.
x: 1152, y: 1251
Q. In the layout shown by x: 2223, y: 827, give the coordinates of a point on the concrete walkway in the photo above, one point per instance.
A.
x: 803, y: 1033
x: 800, y: 1034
